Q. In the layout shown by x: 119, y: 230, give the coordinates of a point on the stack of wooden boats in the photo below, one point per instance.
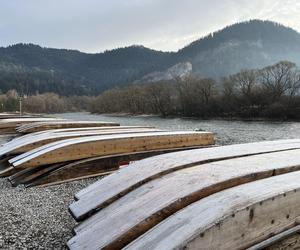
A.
x: 54, y: 151
x: 229, y: 197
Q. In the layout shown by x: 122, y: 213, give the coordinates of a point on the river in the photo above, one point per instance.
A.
x: 226, y: 132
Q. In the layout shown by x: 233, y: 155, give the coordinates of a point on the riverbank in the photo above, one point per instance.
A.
x: 37, y: 218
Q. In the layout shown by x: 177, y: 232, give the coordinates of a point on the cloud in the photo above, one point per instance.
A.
x: 97, y: 25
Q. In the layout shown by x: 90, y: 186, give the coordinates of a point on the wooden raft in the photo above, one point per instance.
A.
x: 229, y: 197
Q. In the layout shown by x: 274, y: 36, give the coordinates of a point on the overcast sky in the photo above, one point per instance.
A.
x: 98, y: 25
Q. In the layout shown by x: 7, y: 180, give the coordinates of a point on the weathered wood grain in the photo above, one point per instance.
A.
x: 31, y: 136
x: 235, y: 218
x: 135, y: 213
x: 85, y: 147
x: 20, y: 146
x: 107, y: 190
x: 277, y: 238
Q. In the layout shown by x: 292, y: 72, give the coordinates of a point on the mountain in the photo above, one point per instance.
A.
x: 30, y: 68
x: 252, y: 44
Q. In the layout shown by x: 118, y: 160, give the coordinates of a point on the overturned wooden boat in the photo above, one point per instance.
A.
x: 229, y: 197
x: 104, y: 145
x: 28, y: 142
x: 45, y: 125
x: 51, y: 157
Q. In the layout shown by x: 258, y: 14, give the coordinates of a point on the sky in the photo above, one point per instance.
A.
x: 98, y: 25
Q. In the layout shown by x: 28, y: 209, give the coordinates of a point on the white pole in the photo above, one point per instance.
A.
x: 20, y: 102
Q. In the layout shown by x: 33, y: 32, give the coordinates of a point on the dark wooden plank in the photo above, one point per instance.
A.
x: 135, y: 213
x: 29, y: 175
x: 116, y: 185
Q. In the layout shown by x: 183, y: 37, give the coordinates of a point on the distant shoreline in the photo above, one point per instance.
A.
x: 248, y: 119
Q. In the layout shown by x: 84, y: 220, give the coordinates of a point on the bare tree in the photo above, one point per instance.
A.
x: 160, y: 97
x: 278, y: 79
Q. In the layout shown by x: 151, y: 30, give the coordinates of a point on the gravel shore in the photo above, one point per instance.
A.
x: 37, y: 218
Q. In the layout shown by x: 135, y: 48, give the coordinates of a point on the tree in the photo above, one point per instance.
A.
x: 278, y: 79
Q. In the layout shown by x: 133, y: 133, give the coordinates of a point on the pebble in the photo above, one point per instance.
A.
x: 38, y: 217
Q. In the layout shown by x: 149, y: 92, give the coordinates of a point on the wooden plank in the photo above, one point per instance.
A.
x: 42, y: 126
x: 38, y: 142
x: 96, y: 166
x: 8, y: 171
x: 122, y: 182
x: 279, y: 237
x: 31, y: 137
x: 12, y: 116
x: 135, y: 213
x: 28, y: 175
x: 85, y: 147
x: 233, y: 219
x: 63, y: 124
x: 29, y: 143
x: 9, y: 125
x: 91, y: 128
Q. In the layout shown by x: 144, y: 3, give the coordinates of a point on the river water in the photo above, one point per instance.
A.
x: 226, y: 132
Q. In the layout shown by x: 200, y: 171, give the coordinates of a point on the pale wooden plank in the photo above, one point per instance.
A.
x: 209, y: 223
x: 42, y: 126
x: 29, y: 136
x: 123, y: 181
x: 279, y: 237
x: 146, y: 206
x: 50, y: 146
x: 85, y: 147
x: 29, y: 143
x: 7, y: 123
